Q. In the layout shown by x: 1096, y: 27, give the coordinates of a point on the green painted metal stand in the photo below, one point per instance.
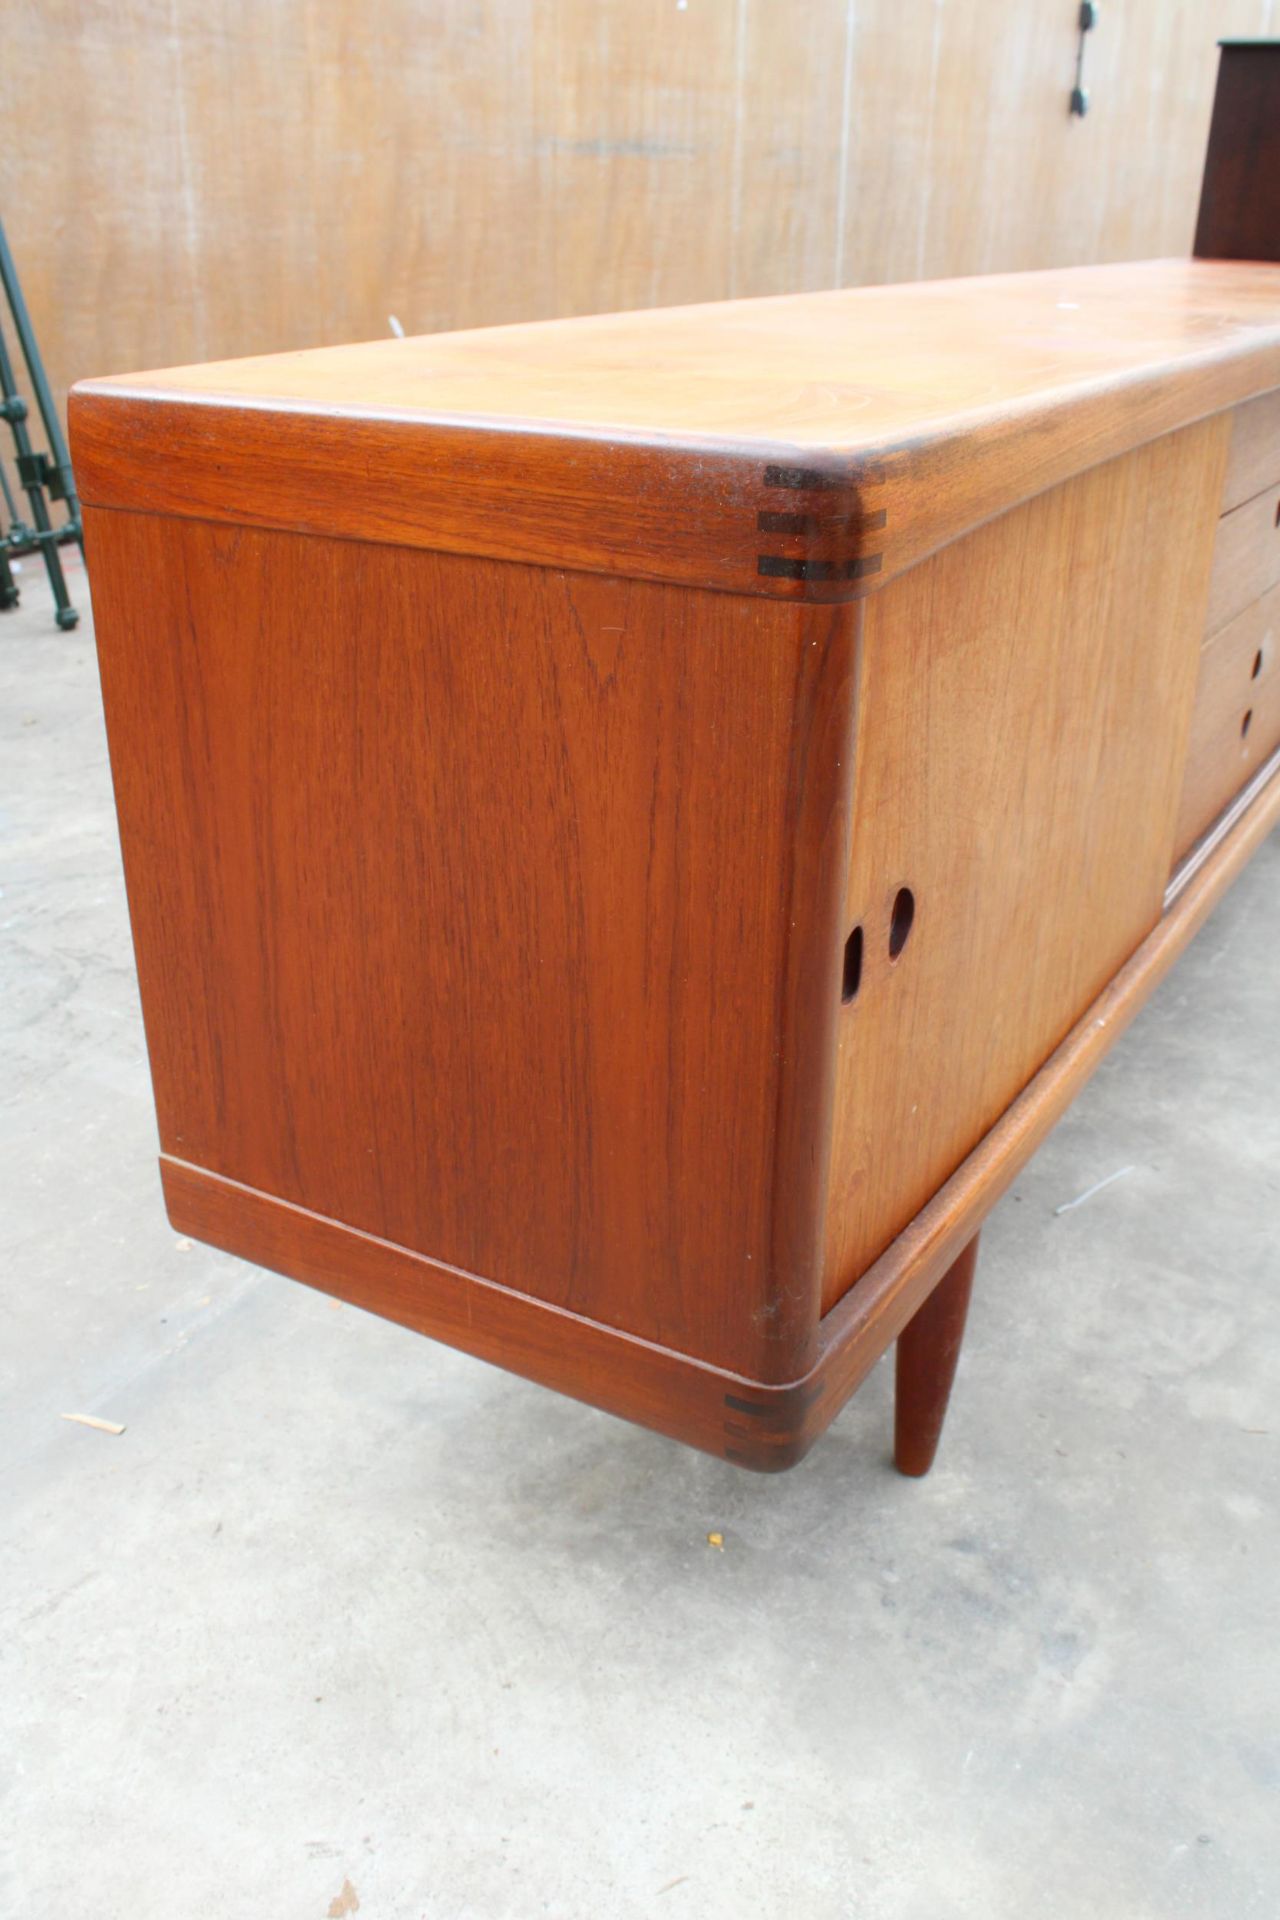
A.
x: 43, y: 477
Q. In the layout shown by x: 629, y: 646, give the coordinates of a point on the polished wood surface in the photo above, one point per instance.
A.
x: 1024, y: 703
x: 674, y: 1393
x: 1240, y: 194
x: 809, y: 447
x: 646, y: 987
x: 250, y: 178
x: 925, y: 1361
x: 860, y: 370
x: 456, y: 887
x: 866, y: 1321
x: 1235, y: 723
x: 1253, y: 459
x: 1246, y: 558
x: 767, y: 1427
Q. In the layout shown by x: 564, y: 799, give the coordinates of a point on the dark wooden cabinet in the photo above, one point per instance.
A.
x: 1240, y: 193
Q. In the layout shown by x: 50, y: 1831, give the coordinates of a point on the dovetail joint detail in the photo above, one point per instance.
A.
x: 829, y: 536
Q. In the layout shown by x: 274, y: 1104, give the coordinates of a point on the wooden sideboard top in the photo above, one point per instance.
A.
x: 808, y: 447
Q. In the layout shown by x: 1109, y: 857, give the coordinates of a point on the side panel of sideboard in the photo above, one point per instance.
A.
x: 1024, y: 705
x: 491, y: 910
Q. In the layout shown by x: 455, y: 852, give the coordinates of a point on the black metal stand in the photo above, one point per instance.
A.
x: 44, y: 477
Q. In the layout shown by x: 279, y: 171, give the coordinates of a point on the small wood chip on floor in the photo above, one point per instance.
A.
x: 91, y: 1420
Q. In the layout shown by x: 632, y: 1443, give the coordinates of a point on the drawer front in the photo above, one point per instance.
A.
x: 1253, y: 457
x: 1235, y: 723
x: 1246, y: 558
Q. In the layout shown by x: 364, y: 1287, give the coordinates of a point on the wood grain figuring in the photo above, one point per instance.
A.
x: 621, y: 151
x: 1253, y: 461
x: 1024, y: 705
x: 1246, y: 558
x: 762, y: 1425
x: 455, y: 886
x: 1235, y: 724
x: 655, y: 1386
x: 865, y: 1322
x: 807, y: 448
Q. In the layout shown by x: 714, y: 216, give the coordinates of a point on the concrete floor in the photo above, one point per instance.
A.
x: 347, y: 1622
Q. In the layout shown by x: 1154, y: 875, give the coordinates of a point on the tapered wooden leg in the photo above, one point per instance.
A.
x: 928, y: 1349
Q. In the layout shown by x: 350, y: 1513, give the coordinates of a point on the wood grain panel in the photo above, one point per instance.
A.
x: 230, y: 178
x: 1235, y: 724
x: 492, y: 912
x: 790, y: 148
x: 186, y: 183
x: 1246, y: 558
x: 871, y: 1315
x: 707, y: 1407
x: 1024, y: 704
x: 1253, y: 460
x: 1007, y: 178
x: 767, y: 1426
x: 930, y: 91
x: 642, y: 100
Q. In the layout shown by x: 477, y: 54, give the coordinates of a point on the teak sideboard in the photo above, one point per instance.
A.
x: 636, y: 827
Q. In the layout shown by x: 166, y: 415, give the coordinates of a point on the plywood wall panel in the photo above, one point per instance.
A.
x: 793, y: 105
x: 642, y: 107
x: 963, y: 157
x: 182, y: 183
